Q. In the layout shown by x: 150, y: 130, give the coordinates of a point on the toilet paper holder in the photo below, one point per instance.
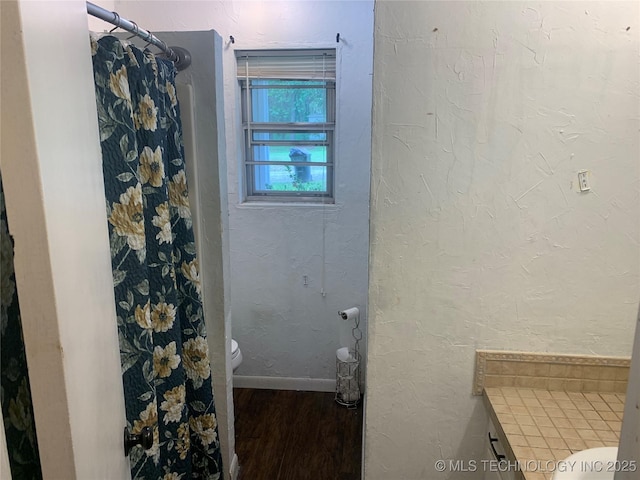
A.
x: 347, y: 377
x: 348, y: 363
x: 352, y: 313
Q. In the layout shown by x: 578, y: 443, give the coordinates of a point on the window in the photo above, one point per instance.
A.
x: 288, y: 117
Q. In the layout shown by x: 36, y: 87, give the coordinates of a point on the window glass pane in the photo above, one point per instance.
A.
x: 289, y: 153
x: 288, y: 105
x: 289, y: 178
x: 289, y: 136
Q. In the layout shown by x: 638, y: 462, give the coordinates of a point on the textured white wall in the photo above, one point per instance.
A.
x: 484, y: 112
x: 284, y: 328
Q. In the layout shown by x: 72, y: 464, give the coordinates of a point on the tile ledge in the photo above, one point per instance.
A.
x: 588, y: 360
x: 568, y: 358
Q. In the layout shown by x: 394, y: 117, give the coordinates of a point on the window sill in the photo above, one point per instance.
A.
x: 262, y: 204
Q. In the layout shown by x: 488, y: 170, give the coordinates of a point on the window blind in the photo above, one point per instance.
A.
x: 287, y: 64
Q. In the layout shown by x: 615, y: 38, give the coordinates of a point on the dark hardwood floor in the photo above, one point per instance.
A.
x: 289, y: 435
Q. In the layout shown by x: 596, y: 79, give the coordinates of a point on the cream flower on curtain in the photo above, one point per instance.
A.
x: 173, y: 404
x: 171, y: 91
x: 195, y: 355
x: 151, y: 58
x: 148, y: 418
x: 151, y: 166
x: 172, y: 476
x: 191, y: 273
x: 127, y: 218
x: 119, y: 85
x: 162, y: 317
x: 94, y: 45
x: 133, y: 61
x: 179, y: 195
x: 163, y: 222
x: 184, y: 441
x: 205, y: 427
x: 165, y: 360
x: 143, y: 316
x: 147, y: 115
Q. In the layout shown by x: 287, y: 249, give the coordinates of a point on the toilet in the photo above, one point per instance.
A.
x: 236, y: 355
x: 591, y: 464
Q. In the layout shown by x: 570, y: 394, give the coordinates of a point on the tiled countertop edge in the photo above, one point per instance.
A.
x: 502, y: 436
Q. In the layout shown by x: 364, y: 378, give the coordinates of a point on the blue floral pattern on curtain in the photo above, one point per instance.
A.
x: 163, y: 348
x: 15, y: 391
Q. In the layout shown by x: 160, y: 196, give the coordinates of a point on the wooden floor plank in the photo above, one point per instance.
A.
x: 288, y: 435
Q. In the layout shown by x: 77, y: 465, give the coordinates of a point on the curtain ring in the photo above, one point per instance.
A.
x: 116, y: 22
x: 136, y: 30
x: 150, y: 40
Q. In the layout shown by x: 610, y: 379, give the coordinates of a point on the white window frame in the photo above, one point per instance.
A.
x: 281, y: 65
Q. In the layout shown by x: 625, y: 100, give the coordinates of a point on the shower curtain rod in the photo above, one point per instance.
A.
x: 179, y: 56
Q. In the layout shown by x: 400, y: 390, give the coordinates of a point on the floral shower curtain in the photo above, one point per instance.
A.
x: 163, y: 347
x: 15, y: 391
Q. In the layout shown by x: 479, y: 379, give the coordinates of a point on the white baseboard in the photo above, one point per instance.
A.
x: 285, y: 383
x: 234, y: 470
